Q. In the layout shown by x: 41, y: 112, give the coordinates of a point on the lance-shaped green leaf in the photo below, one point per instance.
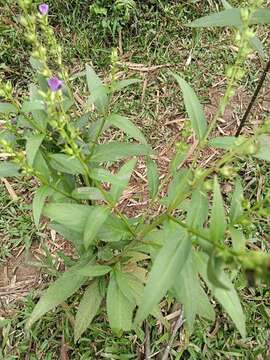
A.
x: 121, y: 84
x: 88, y: 309
x: 218, y: 219
x: 41, y: 166
x: 254, y: 41
x: 189, y: 293
x: 33, y: 143
x: 7, y: 108
x: 223, y: 142
x: 65, y: 286
x: 178, y: 189
x: 264, y: 148
x: 152, y: 177
x: 119, y: 307
x: 38, y: 202
x: 179, y: 157
x: 236, y: 203
x: 39, y: 114
x: 167, y: 266
x: 114, y: 151
x: 87, y: 193
x: 123, y: 175
x: 227, y: 298
x: 95, y: 220
x: 198, y: 210
x: 231, y: 17
x: 193, y: 107
x: 8, y: 169
x: 113, y: 230
x: 123, y: 123
x: 29, y: 106
x: 215, y: 271
x: 94, y: 270
x: 67, y: 164
x: 73, y: 216
x: 238, y: 238
x: 97, y: 89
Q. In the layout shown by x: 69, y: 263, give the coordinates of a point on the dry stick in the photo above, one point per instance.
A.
x: 253, y: 99
x: 147, y: 350
x: 177, y: 326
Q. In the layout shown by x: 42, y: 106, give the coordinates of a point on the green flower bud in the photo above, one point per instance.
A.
x: 229, y: 71
x: 240, y: 74
x: 30, y: 37
x: 251, y: 149
x: 208, y: 185
x: 245, y: 204
x: 227, y: 171
x: 23, y: 21
x: 245, y: 15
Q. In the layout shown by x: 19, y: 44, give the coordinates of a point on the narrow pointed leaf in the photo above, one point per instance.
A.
x: 193, y: 107
x: 97, y: 89
x: 119, y: 308
x: 167, y: 266
x: 38, y: 202
x: 115, y: 151
x: 8, y: 169
x: 32, y: 146
x: 231, y: 17
x: 198, y: 210
x: 226, y: 5
x: 65, y: 286
x: 67, y: 164
x: 7, y: 108
x: 227, y: 298
x: 189, y: 292
x: 73, y: 216
x: 88, y: 309
x: 236, y: 203
x: 254, y: 42
x: 218, y: 220
x: 127, y: 126
x: 94, y: 221
x: 238, y: 239
x: 178, y: 189
x: 94, y: 270
x: 124, y: 174
x: 215, y: 271
x: 87, y: 193
x: 223, y: 142
x: 29, y: 106
x: 119, y: 85
x: 264, y: 148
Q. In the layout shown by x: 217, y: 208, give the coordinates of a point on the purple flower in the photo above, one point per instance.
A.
x: 43, y: 9
x: 54, y: 84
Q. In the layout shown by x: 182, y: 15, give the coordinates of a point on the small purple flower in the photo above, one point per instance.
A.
x: 43, y: 9
x: 54, y: 84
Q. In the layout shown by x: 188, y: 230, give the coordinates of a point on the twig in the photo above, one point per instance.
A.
x: 177, y: 326
x: 143, y: 68
x: 147, y: 350
x: 253, y: 99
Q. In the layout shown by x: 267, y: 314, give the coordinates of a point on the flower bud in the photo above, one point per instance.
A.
x: 245, y: 15
x: 227, y: 171
x: 23, y: 21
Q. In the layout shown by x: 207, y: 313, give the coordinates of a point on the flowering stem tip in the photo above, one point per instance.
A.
x: 43, y: 9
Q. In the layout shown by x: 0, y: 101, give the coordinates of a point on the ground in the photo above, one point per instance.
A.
x: 152, y: 41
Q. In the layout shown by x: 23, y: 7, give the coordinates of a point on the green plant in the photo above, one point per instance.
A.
x: 113, y: 16
x: 132, y: 263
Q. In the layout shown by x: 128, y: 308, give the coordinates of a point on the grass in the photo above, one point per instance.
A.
x: 152, y: 34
